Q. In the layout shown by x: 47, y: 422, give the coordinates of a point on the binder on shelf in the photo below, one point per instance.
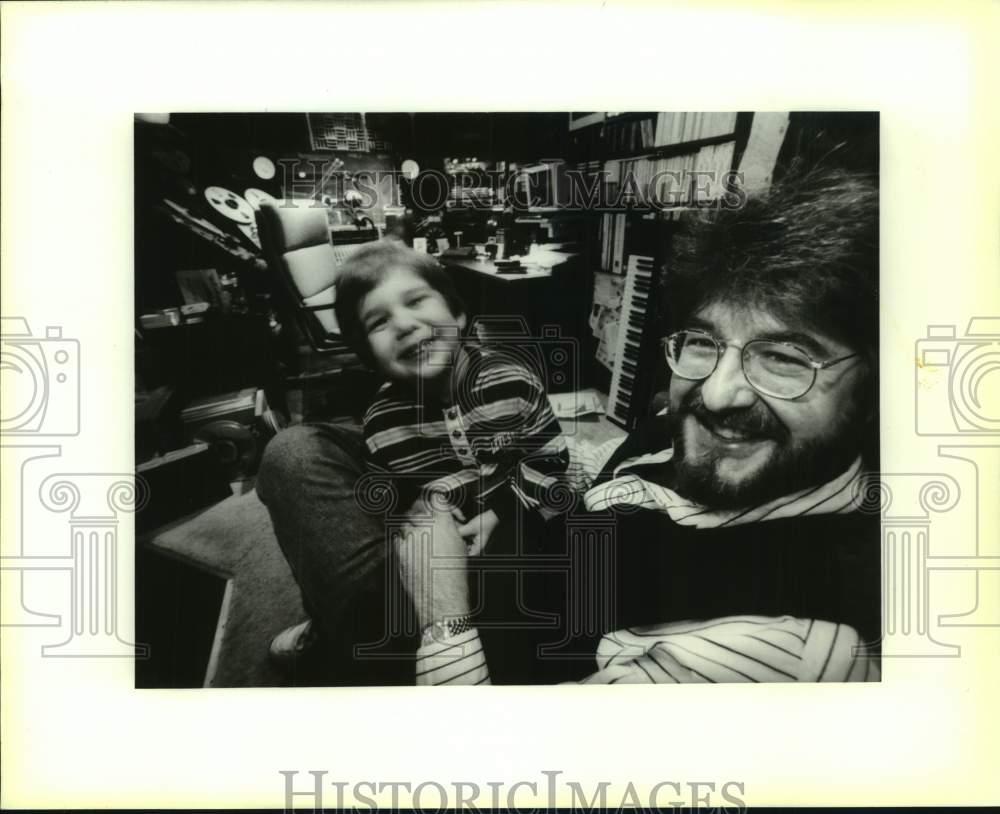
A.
x: 679, y: 128
x: 619, y: 249
x: 676, y: 128
x: 613, y: 234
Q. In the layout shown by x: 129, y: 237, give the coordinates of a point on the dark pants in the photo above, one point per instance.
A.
x: 337, y: 553
x: 337, y: 549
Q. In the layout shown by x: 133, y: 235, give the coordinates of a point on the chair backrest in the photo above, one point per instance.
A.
x: 295, y: 239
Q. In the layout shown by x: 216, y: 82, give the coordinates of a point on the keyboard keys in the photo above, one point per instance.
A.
x: 635, y: 305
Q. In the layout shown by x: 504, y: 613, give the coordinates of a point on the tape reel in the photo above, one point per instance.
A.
x: 255, y: 197
x: 230, y: 205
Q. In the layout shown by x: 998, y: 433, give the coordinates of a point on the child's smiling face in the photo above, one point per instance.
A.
x: 409, y: 327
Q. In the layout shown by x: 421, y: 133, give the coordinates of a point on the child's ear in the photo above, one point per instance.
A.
x: 462, y: 322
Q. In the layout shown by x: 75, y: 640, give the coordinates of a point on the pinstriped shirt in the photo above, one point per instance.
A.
x: 499, y: 441
x: 734, y: 649
x: 718, y: 651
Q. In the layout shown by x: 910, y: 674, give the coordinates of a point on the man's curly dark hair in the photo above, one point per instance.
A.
x: 806, y: 252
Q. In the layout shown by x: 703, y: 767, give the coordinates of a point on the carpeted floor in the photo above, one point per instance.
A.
x: 234, y: 539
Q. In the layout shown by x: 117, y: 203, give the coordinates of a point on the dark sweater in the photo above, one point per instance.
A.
x: 816, y: 566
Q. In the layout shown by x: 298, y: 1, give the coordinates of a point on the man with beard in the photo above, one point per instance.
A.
x: 741, y: 550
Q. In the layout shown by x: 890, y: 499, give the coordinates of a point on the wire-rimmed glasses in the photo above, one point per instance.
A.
x: 781, y: 370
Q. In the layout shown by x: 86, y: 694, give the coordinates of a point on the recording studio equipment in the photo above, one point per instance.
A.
x: 224, y: 240
x: 263, y: 167
x: 543, y: 186
x: 237, y: 209
x: 235, y: 425
x: 255, y: 197
x: 461, y: 252
x: 632, y: 375
x: 230, y: 205
x: 180, y: 482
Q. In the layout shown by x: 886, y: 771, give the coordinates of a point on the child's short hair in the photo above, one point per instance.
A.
x: 365, y: 268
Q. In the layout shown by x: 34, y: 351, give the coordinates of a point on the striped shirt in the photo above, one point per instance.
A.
x: 499, y: 442
x: 729, y: 649
x: 734, y: 649
x: 628, y: 488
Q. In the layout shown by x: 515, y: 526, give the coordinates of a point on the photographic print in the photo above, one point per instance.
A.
x: 382, y: 383
x: 507, y: 398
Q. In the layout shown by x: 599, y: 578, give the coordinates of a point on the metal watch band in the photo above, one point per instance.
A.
x: 443, y: 629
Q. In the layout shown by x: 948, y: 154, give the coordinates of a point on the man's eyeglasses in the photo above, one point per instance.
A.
x: 777, y: 369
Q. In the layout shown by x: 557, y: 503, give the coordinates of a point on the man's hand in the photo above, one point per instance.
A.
x: 431, y: 555
x: 479, y: 528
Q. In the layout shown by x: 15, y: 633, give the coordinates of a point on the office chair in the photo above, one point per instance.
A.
x: 303, y: 264
x: 296, y: 244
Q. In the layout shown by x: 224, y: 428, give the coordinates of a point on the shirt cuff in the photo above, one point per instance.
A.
x: 452, y: 660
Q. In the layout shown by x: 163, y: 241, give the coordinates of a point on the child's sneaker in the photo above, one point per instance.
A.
x: 293, y: 642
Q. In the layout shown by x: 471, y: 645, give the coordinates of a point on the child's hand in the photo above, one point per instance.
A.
x: 479, y: 528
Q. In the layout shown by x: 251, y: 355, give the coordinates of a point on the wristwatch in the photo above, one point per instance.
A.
x: 444, y: 629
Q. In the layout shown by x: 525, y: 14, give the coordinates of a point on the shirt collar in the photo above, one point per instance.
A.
x: 628, y: 489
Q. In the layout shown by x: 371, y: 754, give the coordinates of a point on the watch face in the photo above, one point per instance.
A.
x: 433, y: 633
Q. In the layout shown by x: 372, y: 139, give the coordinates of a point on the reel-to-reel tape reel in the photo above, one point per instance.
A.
x: 239, y: 209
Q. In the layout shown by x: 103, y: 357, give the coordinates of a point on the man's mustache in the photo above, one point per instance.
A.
x: 755, y: 420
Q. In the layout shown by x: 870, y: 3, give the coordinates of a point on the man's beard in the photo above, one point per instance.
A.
x: 790, y: 468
